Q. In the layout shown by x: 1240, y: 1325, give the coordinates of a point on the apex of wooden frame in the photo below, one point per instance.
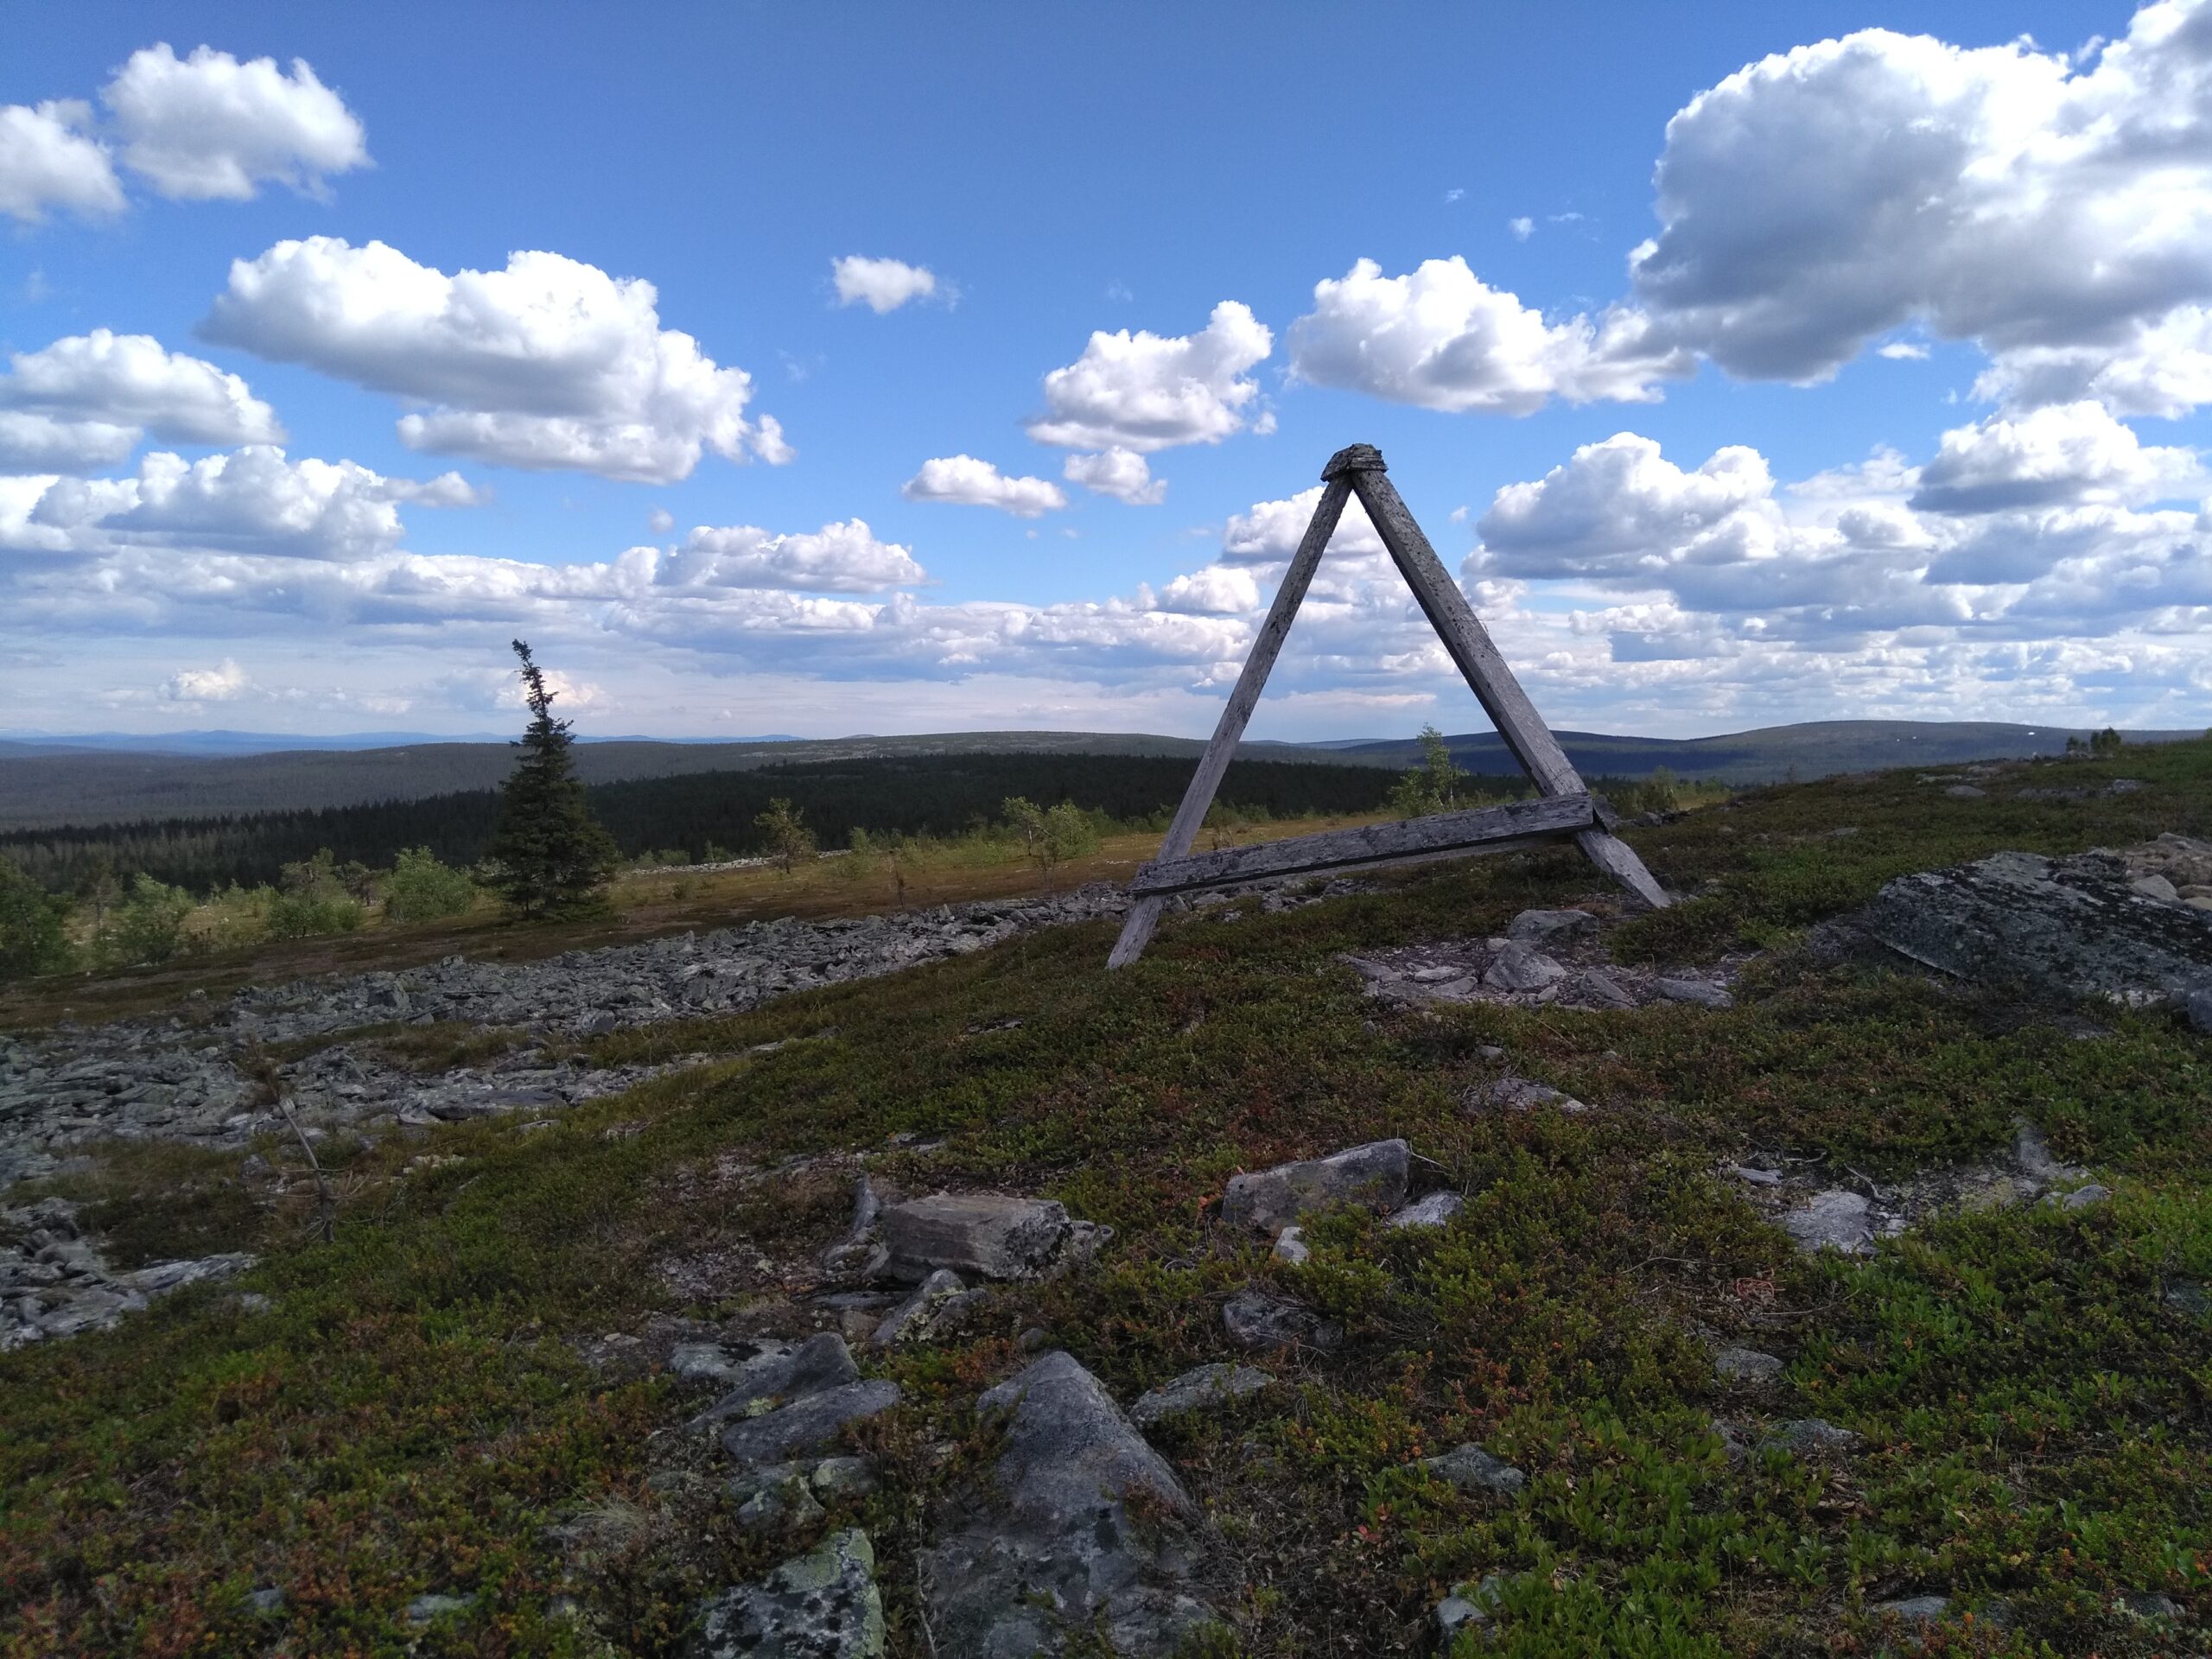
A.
x: 1354, y: 458
x: 1564, y: 809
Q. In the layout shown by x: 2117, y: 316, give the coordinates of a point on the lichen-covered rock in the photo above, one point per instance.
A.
x: 1745, y: 1365
x: 1515, y: 966
x: 1195, y: 1389
x: 811, y: 1423
x: 1807, y: 1437
x: 1256, y: 1320
x: 823, y: 1604
x: 1050, y: 1548
x: 1470, y: 1468
x: 987, y: 1235
x: 780, y: 1371
x: 936, y: 1302
x: 1373, y: 1175
x: 1543, y: 927
x: 2068, y: 927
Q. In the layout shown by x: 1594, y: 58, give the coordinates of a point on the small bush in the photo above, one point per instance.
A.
x: 150, y: 925
x: 312, y: 901
x: 33, y: 927
x: 420, y: 889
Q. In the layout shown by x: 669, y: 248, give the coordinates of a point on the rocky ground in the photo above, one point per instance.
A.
x: 1078, y: 1514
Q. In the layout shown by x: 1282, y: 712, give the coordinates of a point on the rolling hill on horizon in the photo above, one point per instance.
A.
x: 44, y: 785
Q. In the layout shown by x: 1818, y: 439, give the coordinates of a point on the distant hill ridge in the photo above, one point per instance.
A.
x: 42, y: 783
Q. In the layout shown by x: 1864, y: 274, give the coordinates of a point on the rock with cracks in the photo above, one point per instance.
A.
x: 1256, y: 1320
x: 822, y: 1605
x: 984, y: 1234
x: 1080, y: 1527
x: 1195, y: 1390
x: 1373, y: 1175
x: 2068, y: 927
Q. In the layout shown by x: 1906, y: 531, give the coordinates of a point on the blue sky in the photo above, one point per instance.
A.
x: 1681, y: 545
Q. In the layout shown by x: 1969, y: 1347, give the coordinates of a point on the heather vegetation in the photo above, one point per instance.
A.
x: 437, y: 1402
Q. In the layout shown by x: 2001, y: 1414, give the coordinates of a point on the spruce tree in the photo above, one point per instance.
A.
x: 553, y: 857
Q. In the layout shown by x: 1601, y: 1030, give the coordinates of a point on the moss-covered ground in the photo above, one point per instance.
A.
x: 421, y: 1405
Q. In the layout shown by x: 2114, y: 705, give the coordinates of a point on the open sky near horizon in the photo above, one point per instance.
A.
x: 832, y: 369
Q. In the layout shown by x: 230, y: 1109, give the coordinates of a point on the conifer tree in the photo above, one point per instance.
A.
x: 553, y: 857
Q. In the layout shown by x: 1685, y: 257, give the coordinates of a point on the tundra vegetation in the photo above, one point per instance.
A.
x: 424, y: 1435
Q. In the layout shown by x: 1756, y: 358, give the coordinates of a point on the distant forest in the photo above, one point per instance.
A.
x: 942, y: 794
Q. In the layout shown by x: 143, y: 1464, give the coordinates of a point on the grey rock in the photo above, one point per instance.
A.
x: 2066, y: 927
x: 778, y: 1371
x: 1837, y: 1219
x: 1518, y: 967
x: 1468, y: 1606
x: 1471, y: 1469
x: 704, y: 1361
x: 1290, y: 1247
x: 1373, y: 1175
x: 1521, y: 1095
x: 1807, y: 1437
x: 836, y: 1477
x: 1542, y: 926
x: 784, y: 1505
x: 2032, y: 1155
x: 1915, y: 1610
x: 1747, y: 1365
x: 267, y: 1601
x: 811, y: 1423
x: 918, y: 1317
x: 2185, y: 1297
x: 1965, y: 792
x: 2081, y: 1198
x: 2156, y: 887
x: 1595, y: 987
x: 987, y: 1234
x: 1207, y: 1385
x: 1437, y: 1210
x: 2148, y: 1604
x: 2199, y: 1010
x: 1703, y: 993
x: 1756, y: 1177
x: 173, y: 1275
x: 823, y: 1604
x: 423, y: 1609
x: 1050, y: 1549
x: 1258, y: 1320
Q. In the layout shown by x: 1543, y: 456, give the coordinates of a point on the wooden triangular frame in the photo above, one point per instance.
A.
x: 1564, y: 806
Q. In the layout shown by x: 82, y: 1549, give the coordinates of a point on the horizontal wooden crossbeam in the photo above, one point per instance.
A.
x: 1516, y: 824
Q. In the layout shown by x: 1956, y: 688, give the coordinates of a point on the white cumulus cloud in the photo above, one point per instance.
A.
x: 881, y: 284
x: 1442, y: 338
x: 48, y: 160
x: 970, y: 482
x: 1145, y: 393
x: 1123, y: 473
x: 548, y: 363
x: 842, y: 558
x: 251, y: 500
x: 225, y: 682
x: 2060, y: 453
x: 40, y: 443
x: 2057, y: 211
x: 129, y: 380
x: 209, y: 127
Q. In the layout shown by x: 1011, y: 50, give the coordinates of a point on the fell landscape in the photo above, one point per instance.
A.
x: 1576, y: 1041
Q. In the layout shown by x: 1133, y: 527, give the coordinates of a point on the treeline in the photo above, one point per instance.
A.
x: 702, y: 816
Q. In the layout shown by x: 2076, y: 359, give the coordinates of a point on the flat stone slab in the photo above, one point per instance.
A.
x: 1373, y: 1175
x: 1050, y: 1549
x: 2068, y: 927
x: 780, y: 1371
x: 823, y: 1604
x: 1437, y: 1210
x: 811, y: 1423
x: 1196, y: 1390
x: 987, y: 1234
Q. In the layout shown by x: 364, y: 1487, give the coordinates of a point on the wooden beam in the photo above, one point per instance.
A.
x: 1518, y: 822
x: 1487, y: 673
x: 1144, y: 914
